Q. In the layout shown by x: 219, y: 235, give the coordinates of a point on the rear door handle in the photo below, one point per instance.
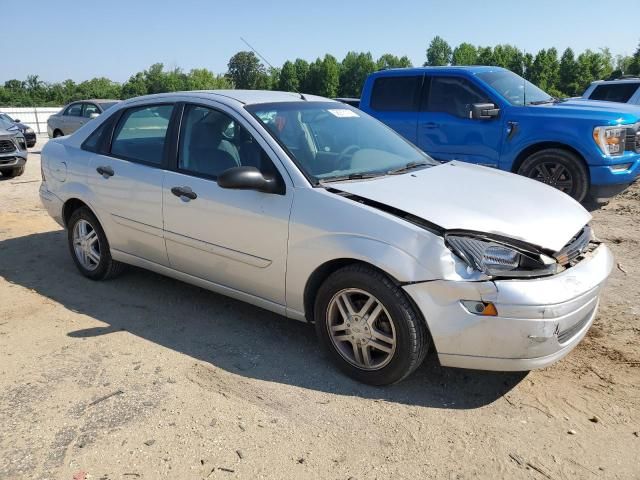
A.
x: 185, y: 193
x: 106, y: 172
x: 430, y: 125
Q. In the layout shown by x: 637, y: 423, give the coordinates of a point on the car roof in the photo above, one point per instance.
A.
x: 620, y: 80
x: 96, y: 100
x: 245, y: 97
x: 473, y: 69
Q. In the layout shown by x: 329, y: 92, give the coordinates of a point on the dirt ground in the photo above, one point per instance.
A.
x: 145, y: 377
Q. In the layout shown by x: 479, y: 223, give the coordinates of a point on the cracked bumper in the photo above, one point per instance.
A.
x: 539, y: 320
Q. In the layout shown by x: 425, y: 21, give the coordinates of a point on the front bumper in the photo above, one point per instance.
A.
x: 11, y: 161
x: 609, y: 180
x: 540, y: 320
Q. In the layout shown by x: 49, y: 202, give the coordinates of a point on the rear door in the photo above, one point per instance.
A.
x: 126, y: 181
x: 394, y: 101
x: 445, y: 129
x: 234, y: 238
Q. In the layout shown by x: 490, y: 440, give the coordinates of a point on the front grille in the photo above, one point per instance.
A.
x: 7, y: 146
x: 571, y: 332
x: 631, y: 141
x: 575, y: 247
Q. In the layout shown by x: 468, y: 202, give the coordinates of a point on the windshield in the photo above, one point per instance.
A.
x: 515, y: 89
x: 333, y: 141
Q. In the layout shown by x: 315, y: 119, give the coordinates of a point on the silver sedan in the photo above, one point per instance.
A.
x: 312, y: 209
x: 75, y: 115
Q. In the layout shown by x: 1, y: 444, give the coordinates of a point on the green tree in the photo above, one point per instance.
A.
x: 289, y: 78
x: 388, y: 60
x: 438, y: 52
x: 464, y: 54
x: 324, y: 76
x: 302, y: 72
x: 634, y: 65
x: 485, y: 56
x: 545, y: 71
x: 568, y: 73
x: 244, y: 70
x: 353, y: 72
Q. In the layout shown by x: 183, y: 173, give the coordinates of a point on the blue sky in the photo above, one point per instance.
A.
x: 81, y: 39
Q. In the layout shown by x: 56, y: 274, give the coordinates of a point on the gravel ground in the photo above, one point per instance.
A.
x: 144, y: 377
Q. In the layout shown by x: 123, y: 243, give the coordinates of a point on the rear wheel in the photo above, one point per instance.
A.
x: 57, y: 133
x: 89, y: 246
x: 369, y: 327
x: 560, y: 169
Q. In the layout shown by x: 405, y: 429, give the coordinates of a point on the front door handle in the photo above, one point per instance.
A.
x: 185, y: 193
x: 106, y: 172
x: 430, y: 125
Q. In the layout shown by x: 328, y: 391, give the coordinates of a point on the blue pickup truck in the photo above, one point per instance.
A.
x: 491, y: 116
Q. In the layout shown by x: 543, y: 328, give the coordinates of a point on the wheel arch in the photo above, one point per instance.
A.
x: 70, y: 206
x: 538, y: 147
x: 322, y: 272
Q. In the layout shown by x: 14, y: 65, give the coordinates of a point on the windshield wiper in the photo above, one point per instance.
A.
x: 407, y: 167
x: 542, y: 102
x: 351, y: 176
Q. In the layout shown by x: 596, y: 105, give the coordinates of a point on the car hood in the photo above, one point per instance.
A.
x: 595, y: 109
x: 459, y: 195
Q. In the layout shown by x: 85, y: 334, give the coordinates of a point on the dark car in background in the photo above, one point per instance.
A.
x: 76, y: 114
x: 8, y: 123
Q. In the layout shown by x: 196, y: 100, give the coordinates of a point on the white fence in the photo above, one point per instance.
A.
x: 35, y: 117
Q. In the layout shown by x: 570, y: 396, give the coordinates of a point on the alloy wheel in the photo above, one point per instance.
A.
x: 361, y: 329
x: 86, y: 245
x: 553, y: 174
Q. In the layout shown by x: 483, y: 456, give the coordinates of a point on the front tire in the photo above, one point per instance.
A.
x: 369, y: 327
x: 560, y: 169
x: 57, y: 133
x: 89, y: 246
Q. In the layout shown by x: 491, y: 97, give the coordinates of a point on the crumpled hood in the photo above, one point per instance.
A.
x: 459, y: 195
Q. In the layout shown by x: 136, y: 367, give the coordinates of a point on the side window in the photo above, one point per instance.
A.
x: 98, y: 141
x: 141, y: 132
x: 454, y: 95
x: 614, y: 92
x: 395, y: 94
x: 89, y: 109
x: 212, y: 142
x: 74, y: 110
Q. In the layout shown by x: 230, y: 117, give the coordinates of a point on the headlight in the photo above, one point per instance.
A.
x: 611, y: 140
x: 28, y: 130
x: 497, y: 259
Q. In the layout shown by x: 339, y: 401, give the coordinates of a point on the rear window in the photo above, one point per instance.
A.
x: 395, y: 94
x: 614, y: 92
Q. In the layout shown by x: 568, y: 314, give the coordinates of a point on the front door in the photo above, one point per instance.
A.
x: 126, y: 182
x: 445, y: 129
x: 234, y: 238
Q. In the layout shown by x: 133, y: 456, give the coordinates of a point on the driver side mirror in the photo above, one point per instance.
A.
x: 16, y: 120
x: 248, y: 178
x: 483, y: 111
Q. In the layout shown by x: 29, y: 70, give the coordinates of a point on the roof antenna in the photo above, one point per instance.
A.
x: 268, y: 63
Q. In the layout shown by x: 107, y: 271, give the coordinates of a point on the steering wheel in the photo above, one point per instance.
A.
x: 345, y: 156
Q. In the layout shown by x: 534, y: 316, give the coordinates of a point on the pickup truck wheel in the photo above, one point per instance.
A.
x: 560, y: 169
x: 369, y: 327
x: 89, y: 246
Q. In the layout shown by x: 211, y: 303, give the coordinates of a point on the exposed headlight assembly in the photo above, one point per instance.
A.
x: 498, y: 259
x: 611, y: 140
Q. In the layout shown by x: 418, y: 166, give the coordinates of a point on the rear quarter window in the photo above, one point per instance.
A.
x: 614, y: 92
x: 395, y: 94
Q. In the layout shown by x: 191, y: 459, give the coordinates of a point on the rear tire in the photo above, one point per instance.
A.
x: 89, y: 246
x: 57, y: 133
x: 369, y: 327
x: 560, y: 169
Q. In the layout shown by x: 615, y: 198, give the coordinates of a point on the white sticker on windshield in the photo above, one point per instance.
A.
x: 343, y: 113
